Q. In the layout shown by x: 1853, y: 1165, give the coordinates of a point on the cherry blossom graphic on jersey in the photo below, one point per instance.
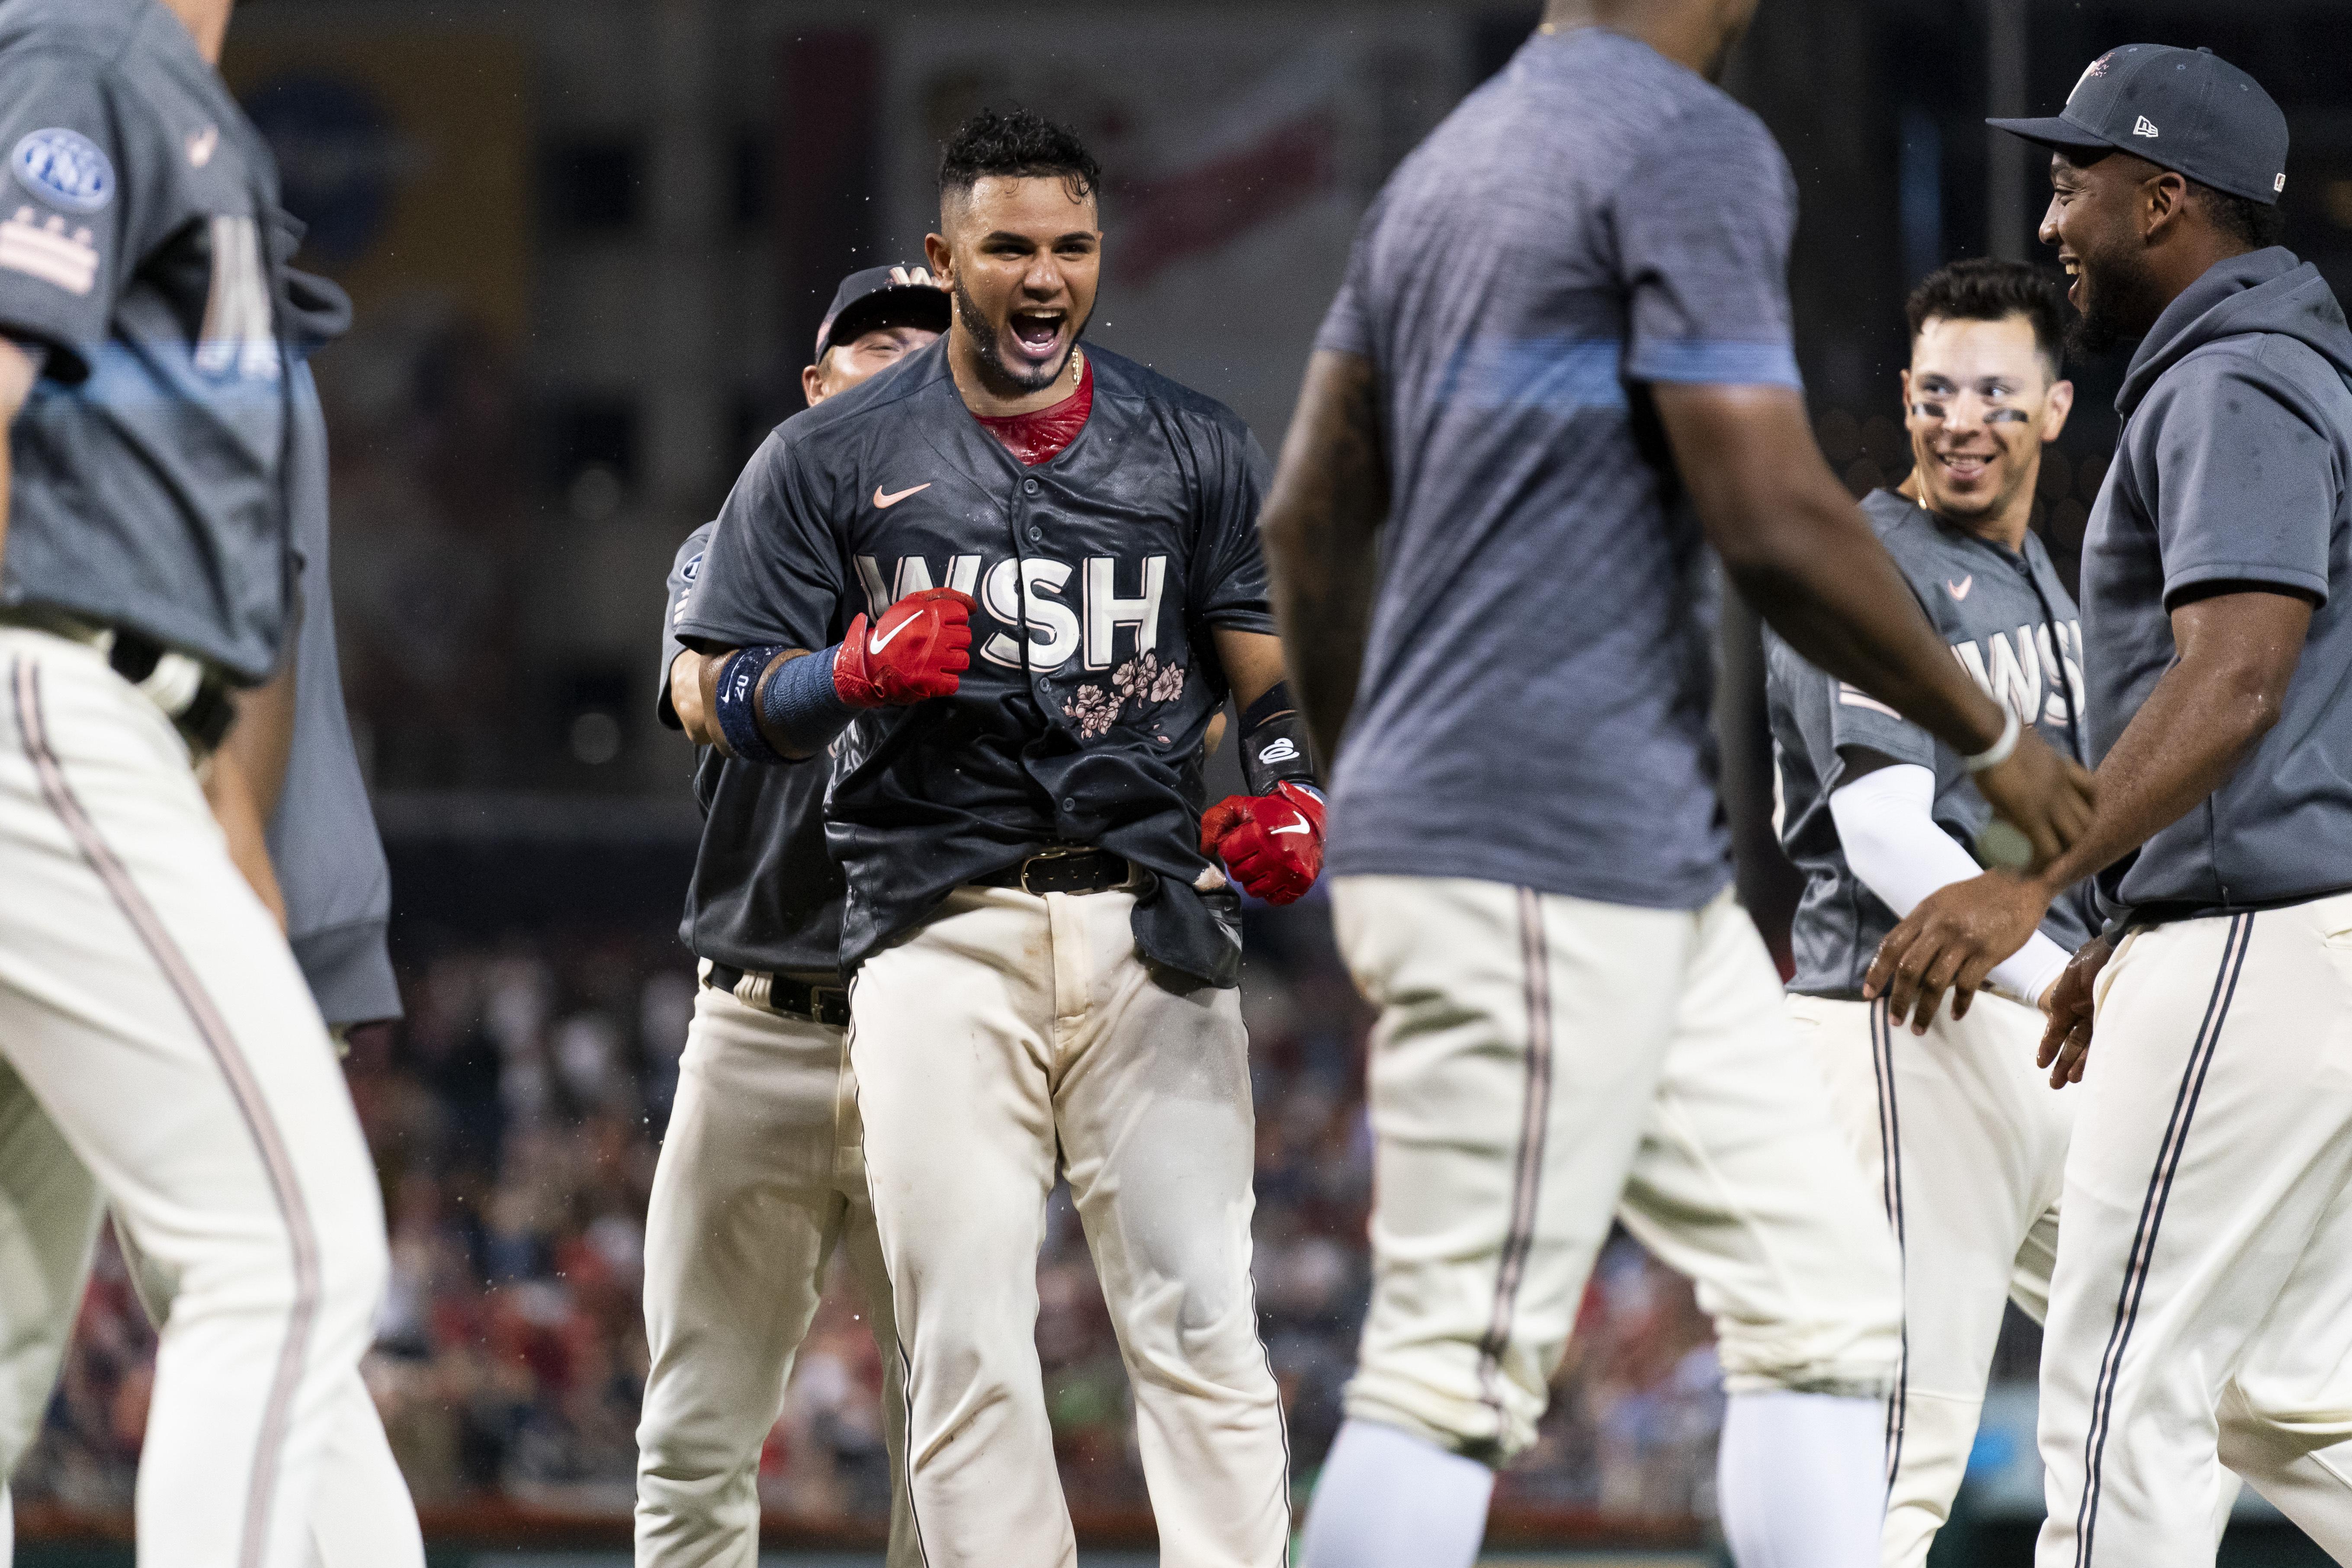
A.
x: 1142, y: 683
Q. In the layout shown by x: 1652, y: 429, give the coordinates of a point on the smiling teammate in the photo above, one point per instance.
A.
x: 1032, y: 573
x: 2199, y: 1314
x: 761, y: 1174
x: 1963, y: 1141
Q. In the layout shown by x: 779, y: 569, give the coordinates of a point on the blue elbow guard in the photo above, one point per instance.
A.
x: 801, y: 707
x: 739, y: 689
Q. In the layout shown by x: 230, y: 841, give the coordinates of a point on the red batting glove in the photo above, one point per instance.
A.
x: 1273, y: 844
x: 913, y: 653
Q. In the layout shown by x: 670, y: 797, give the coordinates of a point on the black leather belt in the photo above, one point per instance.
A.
x: 202, y: 710
x: 1063, y: 871
x: 813, y: 1000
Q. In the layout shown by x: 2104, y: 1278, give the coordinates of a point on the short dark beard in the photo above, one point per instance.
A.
x: 992, y: 363
x: 2122, y: 307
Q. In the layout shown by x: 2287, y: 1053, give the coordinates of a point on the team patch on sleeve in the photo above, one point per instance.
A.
x: 64, y: 167
x: 48, y: 250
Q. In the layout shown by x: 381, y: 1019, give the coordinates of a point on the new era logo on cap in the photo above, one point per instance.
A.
x: 2218, y: 127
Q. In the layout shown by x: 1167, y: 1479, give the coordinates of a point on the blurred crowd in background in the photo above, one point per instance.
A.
x: 515, y: 1117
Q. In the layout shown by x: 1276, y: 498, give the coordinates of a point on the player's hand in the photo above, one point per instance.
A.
x: 2044, y: 795
x: 2066, y: 1035
x: 911, y: 653
x: 1950, y: 943
x: 1273, y: 844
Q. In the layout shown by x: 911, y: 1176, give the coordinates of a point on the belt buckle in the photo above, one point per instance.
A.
x: 822, y: 998
x: 1033, y: 859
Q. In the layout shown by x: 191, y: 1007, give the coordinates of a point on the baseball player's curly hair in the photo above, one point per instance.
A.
x: 1983, y: 290
x: 1017, y: 143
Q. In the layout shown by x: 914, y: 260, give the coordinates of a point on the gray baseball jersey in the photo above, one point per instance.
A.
x: 2014, y: 630
x: 1537, y: 688
x: 322, y: 837
x: 2235, y: 465
x: 765, y: 894
x: 148, y: 462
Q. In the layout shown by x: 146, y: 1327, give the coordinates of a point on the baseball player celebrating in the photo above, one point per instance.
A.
x: 149, y: 1004
x: 761, y: 1172
x: 2198, y: 1313
x: 1963, y: 1142
x: 1032, y: 575
x: 1576, y: 279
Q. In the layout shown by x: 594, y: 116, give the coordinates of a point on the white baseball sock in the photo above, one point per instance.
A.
x: 1802, y: 1480
x: 1389, y: 1500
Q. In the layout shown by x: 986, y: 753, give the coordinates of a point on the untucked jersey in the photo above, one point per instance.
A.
x: 1100, y: 575
x: 1535, y: 702
x: 149, y: 483
x: 765, y: 892
x: 2014, y: 629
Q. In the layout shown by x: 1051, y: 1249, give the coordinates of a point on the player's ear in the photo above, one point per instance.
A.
x: 941, y: 256
x: 813, y: 384
x: 1906, y: 373
x: 2053, y: 416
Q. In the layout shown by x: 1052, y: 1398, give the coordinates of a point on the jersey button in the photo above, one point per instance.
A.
x: 1035, y: 532
x: 1070, y: 804
x: 1029, y: 486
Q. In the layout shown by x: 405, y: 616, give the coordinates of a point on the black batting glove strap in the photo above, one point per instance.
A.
x: 1273, y: 743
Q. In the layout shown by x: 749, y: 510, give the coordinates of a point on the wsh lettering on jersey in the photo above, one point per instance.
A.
x: 2023, y: 673
x: 1068, y: 611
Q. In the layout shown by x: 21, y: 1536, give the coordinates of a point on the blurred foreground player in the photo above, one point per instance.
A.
x: 761, y: 1172
x: 1565, y: 312
x: 1032, y: 573
x: 150, y: 1007
x: 320, y: 862
x: 1962, y: 1141
x: 2201, y: 1314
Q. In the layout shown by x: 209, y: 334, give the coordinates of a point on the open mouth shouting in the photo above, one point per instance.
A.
x: 2073, y: 266
x: 1035, y: 342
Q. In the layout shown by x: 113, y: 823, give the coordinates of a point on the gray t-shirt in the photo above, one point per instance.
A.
x: 765, y: 894
x: 2015, y: 630
x: 322, y: 837
x: 2234, y: 465
x: 148, y: 462
x: 1534, y: 701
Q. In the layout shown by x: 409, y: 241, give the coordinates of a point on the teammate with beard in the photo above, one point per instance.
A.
x: 1033, y: 574
x: 2199, y: 1312
x: 761, y: 1174
x: 1558, y: 367
x: 1957, y: 1133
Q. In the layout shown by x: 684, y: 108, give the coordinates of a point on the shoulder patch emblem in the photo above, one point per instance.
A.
x: 65, y: 167
x: 39, y: 245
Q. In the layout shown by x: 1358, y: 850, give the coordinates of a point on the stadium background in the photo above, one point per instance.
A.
x: 590, y: 241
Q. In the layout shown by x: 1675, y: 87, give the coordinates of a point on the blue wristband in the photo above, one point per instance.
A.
x: 801, y: 707
x: 739, y: 687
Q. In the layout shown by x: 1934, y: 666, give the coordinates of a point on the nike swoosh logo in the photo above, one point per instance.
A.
x: 1294, y: 827
x: 897, y: 496
x: 1959, y: 590
x: 877, y: 644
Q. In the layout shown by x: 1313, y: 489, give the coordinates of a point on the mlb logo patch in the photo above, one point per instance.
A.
x: 64, y: 168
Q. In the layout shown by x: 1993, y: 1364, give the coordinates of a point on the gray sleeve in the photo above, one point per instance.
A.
x: 773, y: 572
x: 1861, y: 721
x: 1347, y: 326
x: 675, y: 595
x: 2245, y: 487
x: 82, y: 192
x: 1229, y: 587
x: 1703, y: 223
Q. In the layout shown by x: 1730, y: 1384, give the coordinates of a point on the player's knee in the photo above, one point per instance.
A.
x: 1849, y: 1343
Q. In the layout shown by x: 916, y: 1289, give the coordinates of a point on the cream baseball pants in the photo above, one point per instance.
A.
x: 2200, y: 1313
x: 1965, y: 1145
x: 760, y: 1176
x: 1545, y: 1065
x: 151, y: 1011
x: 1009, y: 1036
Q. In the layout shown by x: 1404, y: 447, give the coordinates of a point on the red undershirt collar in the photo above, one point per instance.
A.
x: 1042, y: 434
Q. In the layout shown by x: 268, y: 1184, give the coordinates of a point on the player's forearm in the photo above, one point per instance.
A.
x: 2205, y: 717
x: 1320, y: 525
x: 230, y: 793
x: 261, y: 742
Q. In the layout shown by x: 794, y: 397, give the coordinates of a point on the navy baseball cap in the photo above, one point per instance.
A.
x: 903, y: 296
x: 2189, y: 110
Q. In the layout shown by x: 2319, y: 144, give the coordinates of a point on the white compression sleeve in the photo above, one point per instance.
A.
x: 1885, y: 822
